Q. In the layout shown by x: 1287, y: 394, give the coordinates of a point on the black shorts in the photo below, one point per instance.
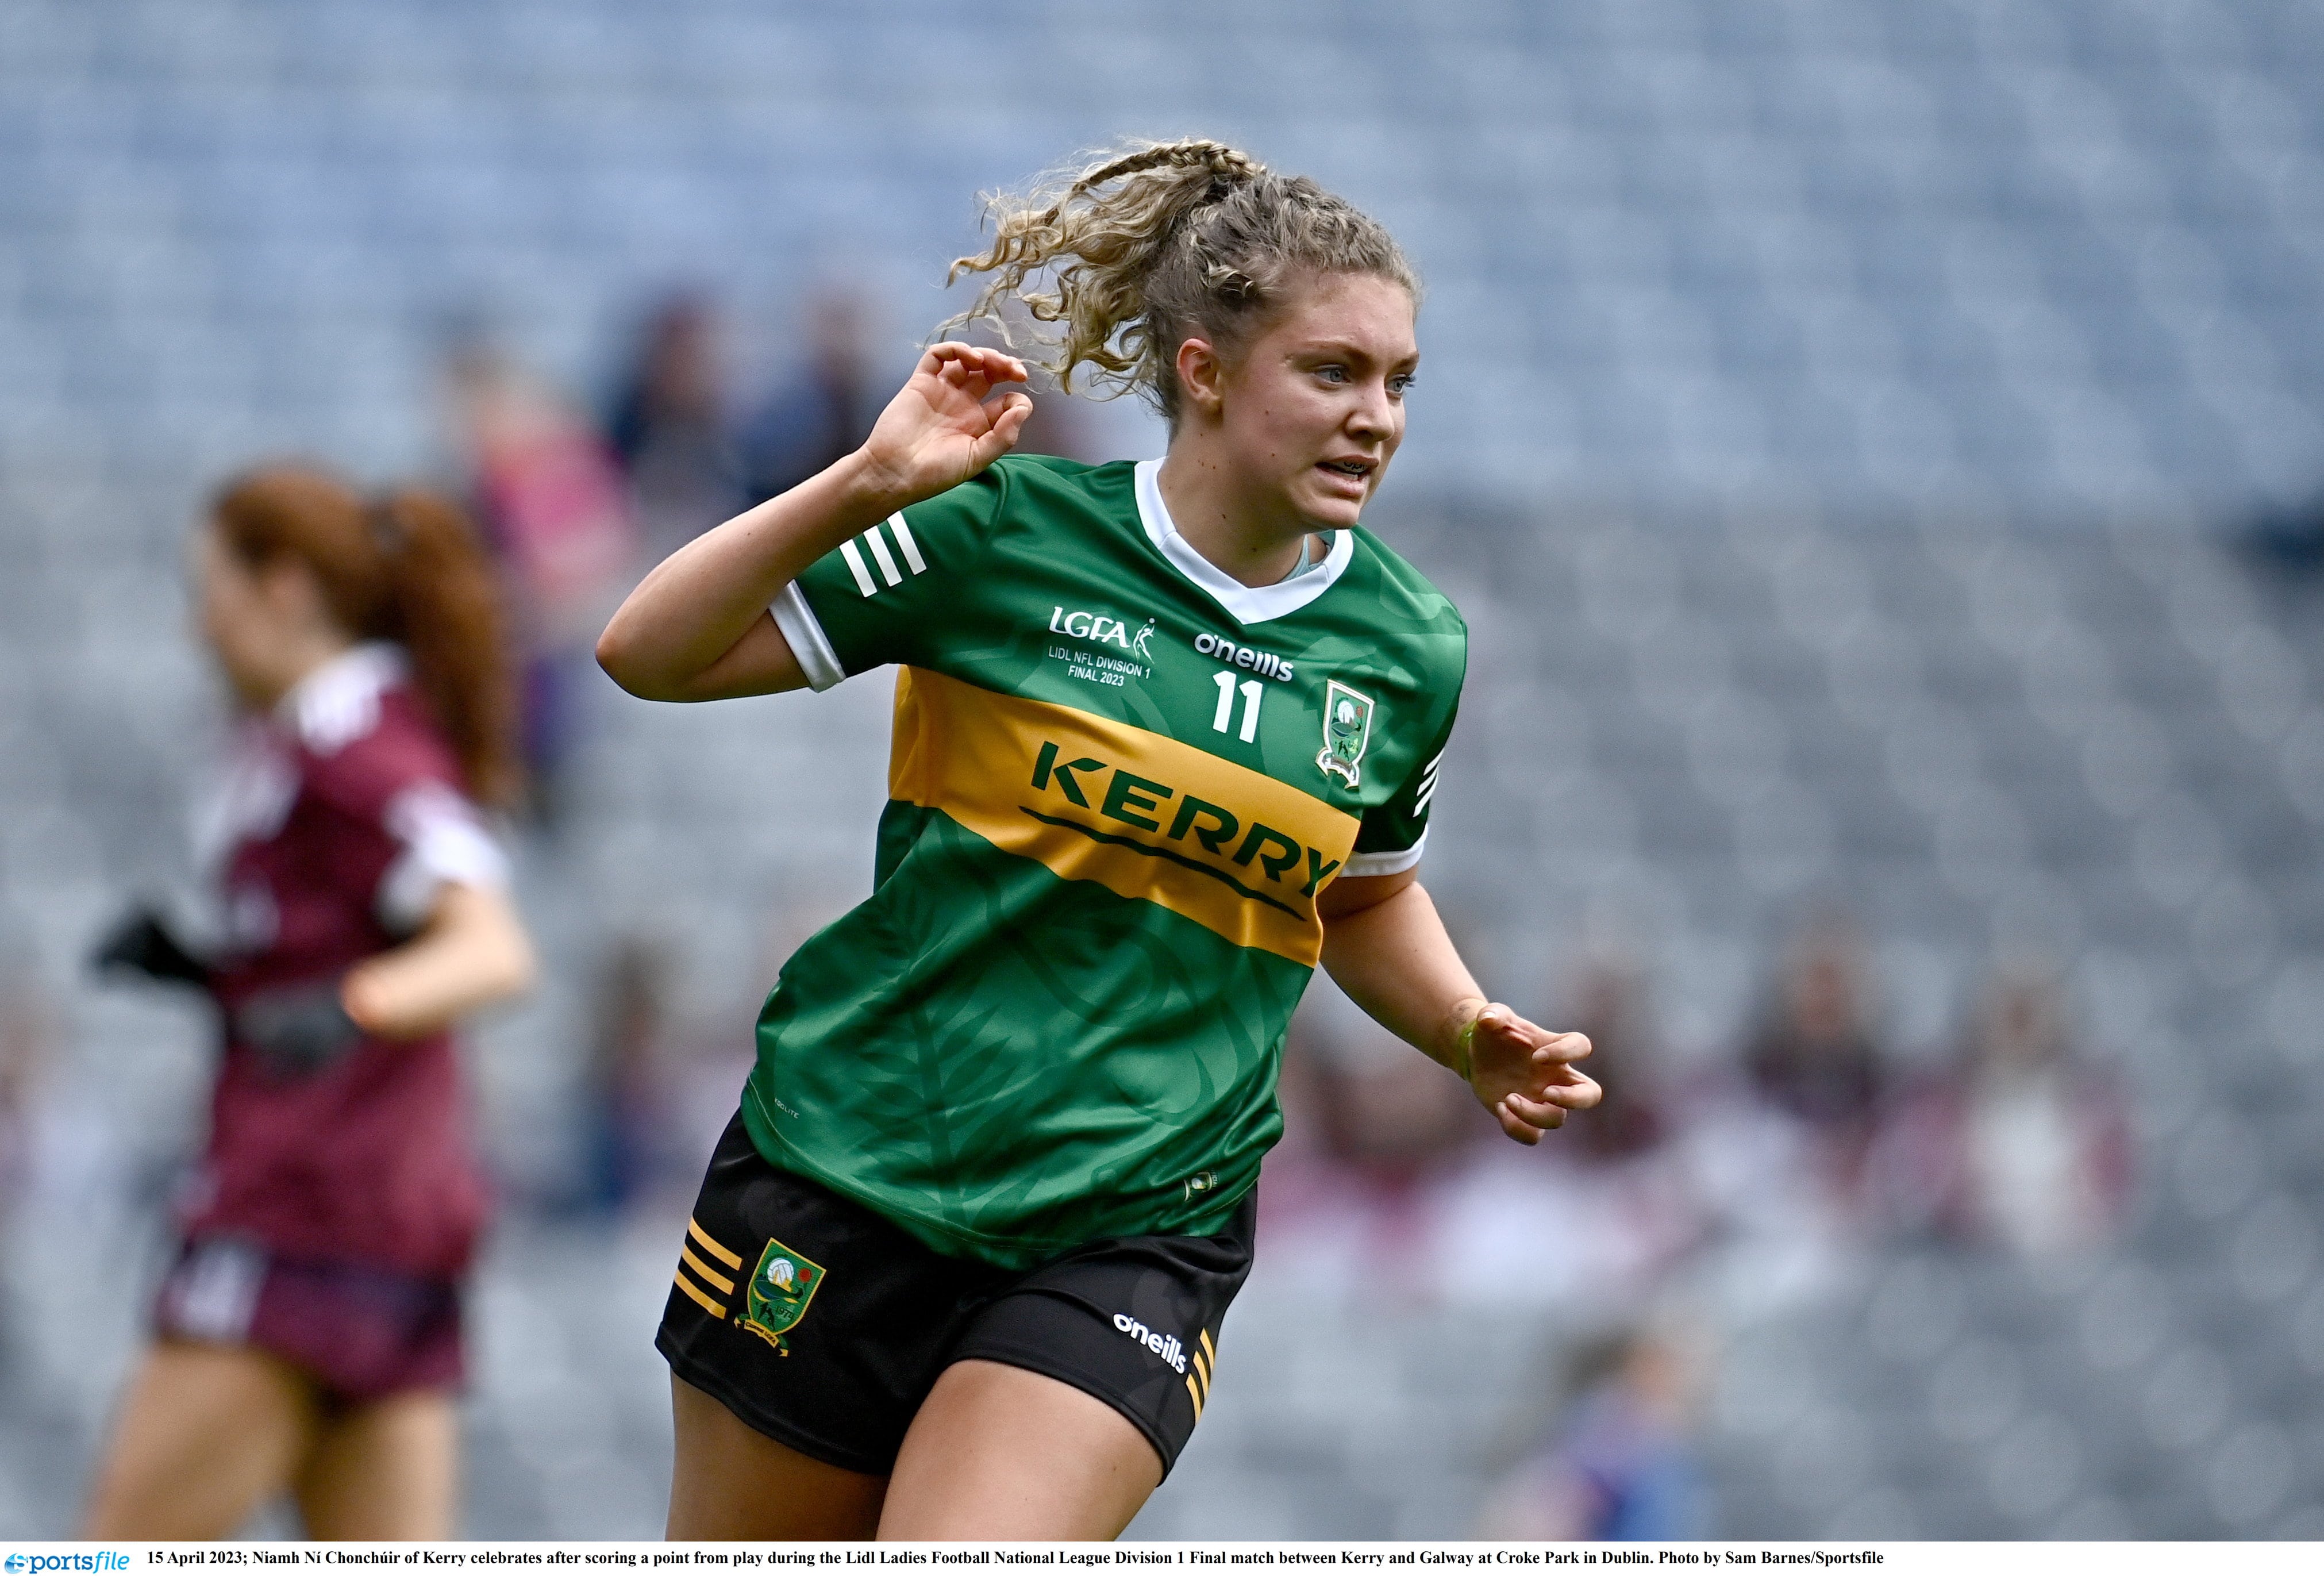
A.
x: 824, y: 1325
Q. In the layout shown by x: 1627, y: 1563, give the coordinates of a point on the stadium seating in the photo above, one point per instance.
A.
x: 1830, y: 421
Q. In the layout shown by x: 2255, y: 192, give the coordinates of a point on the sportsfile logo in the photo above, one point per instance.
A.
x: 1166, y: 1347
x: 33, y: 1564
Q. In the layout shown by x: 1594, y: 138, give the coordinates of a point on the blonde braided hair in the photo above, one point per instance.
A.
x: 1147, y: 247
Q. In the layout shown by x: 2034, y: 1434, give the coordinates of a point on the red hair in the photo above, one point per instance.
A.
x: 408, y: 568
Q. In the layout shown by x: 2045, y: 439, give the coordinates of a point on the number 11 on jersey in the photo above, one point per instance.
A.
x: 1253, y: 692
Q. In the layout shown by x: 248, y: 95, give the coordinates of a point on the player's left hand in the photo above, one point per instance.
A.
x: 1523, y: 1073
x: 297, y: 1030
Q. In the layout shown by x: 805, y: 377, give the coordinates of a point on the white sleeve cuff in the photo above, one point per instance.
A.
x: 1384, y: 864
x: 445, y: 842
x: 808, y: 643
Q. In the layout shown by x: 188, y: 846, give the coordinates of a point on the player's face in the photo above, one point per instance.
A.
x: 238, y: 621
x: 1314, y: 409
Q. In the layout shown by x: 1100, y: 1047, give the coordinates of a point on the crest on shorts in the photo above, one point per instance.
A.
x: 1347, y: 728
x: 781, y: 1288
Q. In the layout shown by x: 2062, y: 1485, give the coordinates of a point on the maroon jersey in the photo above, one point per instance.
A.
x: 337, y: 819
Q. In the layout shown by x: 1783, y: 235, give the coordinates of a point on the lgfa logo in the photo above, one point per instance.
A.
x: 1100, y: 626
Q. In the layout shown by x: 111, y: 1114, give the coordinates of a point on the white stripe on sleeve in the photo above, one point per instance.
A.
x: 855, y: 567
x: 879, y: 544
x: 904, y: 540
x: 808, y: 643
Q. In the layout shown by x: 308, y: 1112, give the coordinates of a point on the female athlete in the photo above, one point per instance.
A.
x: 1166, y: 736
x: 307, y: 1336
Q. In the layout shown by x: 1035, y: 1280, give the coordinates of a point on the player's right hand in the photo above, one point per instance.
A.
x: 143, y: 943
x: 1523, y: 1073
x: 954, y: 416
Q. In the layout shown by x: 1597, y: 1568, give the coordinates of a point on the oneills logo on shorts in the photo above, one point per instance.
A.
x: 1166, y: 1347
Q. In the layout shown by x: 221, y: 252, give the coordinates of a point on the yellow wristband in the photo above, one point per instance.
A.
x: 1465, y: 1043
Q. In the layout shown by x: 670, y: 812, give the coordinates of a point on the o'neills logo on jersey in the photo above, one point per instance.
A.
x: 1167, y: 1347
x: 1093, y: 627
x: 1192, y: 822
x: 1266, y: 664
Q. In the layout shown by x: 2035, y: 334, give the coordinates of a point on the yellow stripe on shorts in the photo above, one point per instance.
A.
x: 717, y: 1310
x: 709, y: 1276
x: 731, y: 1260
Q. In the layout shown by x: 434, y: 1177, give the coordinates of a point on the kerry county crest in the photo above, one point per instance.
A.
x: 1347, y: 728
x: 780, y: 1289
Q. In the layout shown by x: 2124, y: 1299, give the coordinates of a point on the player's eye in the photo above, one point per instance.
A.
x: 1332, y: 372
x: 1401, y: 383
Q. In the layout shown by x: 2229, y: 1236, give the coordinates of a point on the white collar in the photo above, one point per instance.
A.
x: 1250, y: 604
x: 339, y: 702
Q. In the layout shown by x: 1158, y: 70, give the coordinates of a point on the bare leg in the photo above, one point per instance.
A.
x: 387, y: 1472
x: 731, y: 1482
x: 1002, y: 1454
x: 206, y: 1434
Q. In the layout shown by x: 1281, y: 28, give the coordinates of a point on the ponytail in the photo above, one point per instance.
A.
x: 441, y: 603
x: 407, y: 568
x: 1149, y: 247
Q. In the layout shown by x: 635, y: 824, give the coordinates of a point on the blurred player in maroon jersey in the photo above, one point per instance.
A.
x: 307, y: 1336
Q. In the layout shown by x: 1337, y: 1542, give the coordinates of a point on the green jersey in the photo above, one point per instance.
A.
x: 1119, y: 781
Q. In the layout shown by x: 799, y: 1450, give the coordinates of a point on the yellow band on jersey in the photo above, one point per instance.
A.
x: 1143, y: 816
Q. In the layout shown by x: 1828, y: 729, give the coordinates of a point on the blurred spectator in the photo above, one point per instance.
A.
x: 668, y: 429
x: 24, y: 1037
x: 2290, y: 538
x: 1391, y: 1116
x: 1622, y: 1465
x: 1371, y: 1126
x: 24, y: 1044
x: 1608, y: 1207
x: 2023, y: 1145
x: 624, y: 1124
x: 1608, y: 1003
x: 1387, y: 1159
x: 1385, y: 1118
x: 554, y: 512
x: 1813, y: 1056
x: 825, y: 411
x: 1060, y: 423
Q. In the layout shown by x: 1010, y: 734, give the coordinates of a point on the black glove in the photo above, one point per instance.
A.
x: 297, y: 1030
x: 142, y: 943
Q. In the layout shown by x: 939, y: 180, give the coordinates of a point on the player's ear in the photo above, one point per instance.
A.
x: 1201, y: 377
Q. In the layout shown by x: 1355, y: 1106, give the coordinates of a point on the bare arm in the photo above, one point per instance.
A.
x: 1385, y: 945
x: 472, y: 952
x: 698, y: 627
